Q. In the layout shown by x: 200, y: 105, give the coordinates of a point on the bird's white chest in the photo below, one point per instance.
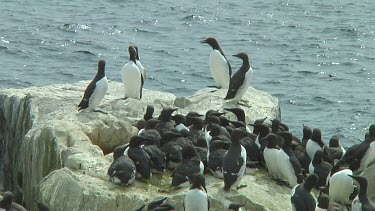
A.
x: 101, y: 89
x: 141, y: 69
x: 196, y: 200
x: 219, y: 69
x: 311, y: 148
x: 245, y: 85
x: 356, y: 204
x: 131, y: 77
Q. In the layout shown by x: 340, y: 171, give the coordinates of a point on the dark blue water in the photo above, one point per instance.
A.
x: 295, y: 47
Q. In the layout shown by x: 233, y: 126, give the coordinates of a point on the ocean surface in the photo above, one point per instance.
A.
x: 316, y: 57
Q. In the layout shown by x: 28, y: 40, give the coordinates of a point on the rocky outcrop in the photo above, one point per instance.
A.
x: 53, y: 153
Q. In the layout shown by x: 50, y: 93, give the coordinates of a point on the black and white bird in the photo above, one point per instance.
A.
x: 189, y: 166
x: 139, y: 156
x: 215, y: 156
x: 140, y: 66
x: 220, y: 68
x: 340, y: 184
x: 141, y: 124
x: 157, y: 157
x: 180, y: 121
x: 336, y: 151
x: 197, y: 197
x: 288, y: 164
x: 320, y: 168
x: 240, y: 81
x: 196, y: 135
x: 150, y: 132
x: 165, y: 123
x: 122, y: 171
x: 96, y: 90
x: 361, y: 202
x: 307, y: 133
x: 270, y: 155
x: 365, y: 154
x: 234, y: 162
x: 132, y: 77
x: 314, y: 143
x: 301, y: 198
x: 240, y: 114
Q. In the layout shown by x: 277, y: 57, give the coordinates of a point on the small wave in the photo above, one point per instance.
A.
x: 146, y: 31
x: 67, y: 74
x: 192, y: 17
x: 3, y: 47
x: 82, y: 42
x: 322, y: 100
x: 163, y: 52
x: 72, y: 27
x: 86, y: 52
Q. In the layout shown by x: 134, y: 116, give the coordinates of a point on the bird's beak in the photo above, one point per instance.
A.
x: 204, y: 41
x: 236, y: 55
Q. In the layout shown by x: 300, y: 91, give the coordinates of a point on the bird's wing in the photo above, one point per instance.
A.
x: 235, y: 83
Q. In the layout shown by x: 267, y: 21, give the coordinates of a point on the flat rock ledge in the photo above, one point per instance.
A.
x: 53, y: 153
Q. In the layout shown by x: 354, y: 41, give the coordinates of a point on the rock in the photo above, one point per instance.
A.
x: 49, y: 150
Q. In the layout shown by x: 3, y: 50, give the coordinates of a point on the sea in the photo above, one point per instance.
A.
x: 316, y: 57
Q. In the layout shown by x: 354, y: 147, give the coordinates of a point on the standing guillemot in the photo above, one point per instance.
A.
x: 365, y: 154
x: 340, y: 184
x: 197, y: 198
x: 220, y: 68
x: 96, y: 90
x: 288, y: 164
x: 132, y: 77
x: 314, y: 143
x: 270, y: 155
x: 234, y: 162
x: 301, y: 198
x: 307, y: 133
x: 319, y: 167
x: 335, y: 150
x: 140, y: 67
x: 361, y: 202
x: 241, y: 80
